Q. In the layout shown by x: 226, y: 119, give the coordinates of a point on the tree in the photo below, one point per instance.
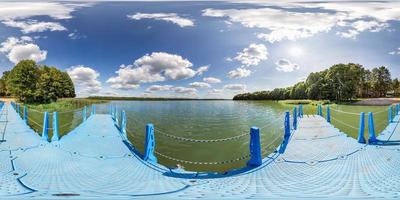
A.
x: 381, y: 81
x: 22, y: 80
x: 3, y: 84
x: 396, y: 87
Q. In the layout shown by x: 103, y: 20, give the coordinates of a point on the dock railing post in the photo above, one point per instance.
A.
x: 149, y: 144
x: 25, y: 114
x: 84, y: 113
x: 371, y: 128
x: 294, y: 118
x: 116, y: 117
x: 397, y: 109
x: 361, y: 138
x: 255, y: 147
x: 45, y: 131
x: 301, y: 111
x: 93, y: 109
x: 287, y: 125
x: 18, y: 110
x: 328, y: 114
x: 55, y: 127
x: 123, y: 124
x: 390, y: 114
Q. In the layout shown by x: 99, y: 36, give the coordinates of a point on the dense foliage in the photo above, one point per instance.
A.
x: 30, y: 82
x: 341, y: 82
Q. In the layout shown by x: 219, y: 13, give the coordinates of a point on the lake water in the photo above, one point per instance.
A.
x: 181, y: 127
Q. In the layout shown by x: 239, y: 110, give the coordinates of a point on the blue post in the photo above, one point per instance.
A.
x: 149, y: 144
x: 18, y: 109
x: 390, y: 113
x: 55, y: 127
x: 320, y: 110
x: 93, y: 109
x: 328, y: 114
x: 110, y: 109
x: 371, y: 128
x: 45, y: 132
x: 84, y: 113
x: 294, y: 118
x: 116, y: 117
x: 123, y: 124
x: 255, y: 147
x: 397, y: 109
x: 287, y: 125
x: 301, y: 111
x: 115, y: 113
x: 25, y: 114
x: 361, y: 138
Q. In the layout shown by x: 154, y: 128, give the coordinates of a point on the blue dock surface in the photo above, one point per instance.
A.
x: 95, y: 161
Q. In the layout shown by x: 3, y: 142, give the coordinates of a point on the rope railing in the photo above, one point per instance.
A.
x: 201, y: 140
x: 203, y: 163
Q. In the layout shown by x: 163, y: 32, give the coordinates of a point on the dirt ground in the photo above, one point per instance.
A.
x: 378, y: 101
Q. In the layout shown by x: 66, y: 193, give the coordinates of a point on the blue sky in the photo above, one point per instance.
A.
x: 197, y: 49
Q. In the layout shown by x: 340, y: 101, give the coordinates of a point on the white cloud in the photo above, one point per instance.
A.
x: 215, y: 91
x: 202, y: 69
x: 85, y: 80
x: 292, y: 25
x: 185, y: 90
x: 76, y: 35
x: 211, y: 80
x: 169, y: 17
x: 199, y: 85
x: 23, y: 10
x: 239, y: 73
x: 235, y: 87
x: 156, y: 67
x: 395, y: 52
x: 32, y: 26
x: 252, y: 55
x: 286, y: 66
x: 282, y: 24
x: 156, y: 88
x: 17, y: 49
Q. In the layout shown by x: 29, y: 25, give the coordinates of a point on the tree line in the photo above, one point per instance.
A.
x: 341, y: 82
x: 31, y: 83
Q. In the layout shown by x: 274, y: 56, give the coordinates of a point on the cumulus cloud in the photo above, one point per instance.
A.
x: 199, y: 85
x: 239, y: 73
x: 178, y: 90
x: 32, y: 26
x: 185, y: 90
x: 169, y: 17
x: 282, y: 24
x: 13, y: 14
x: 215, y: 91
x: 211, y: 80
x: 395, y: 52
x: 155, y: 67
x: 286, y: 66
x: 85, y: 80
x: 17, y: 49
x: 252, y: 55
x: 156, y: 88
x: 235, y: 87
x: 202, y: 69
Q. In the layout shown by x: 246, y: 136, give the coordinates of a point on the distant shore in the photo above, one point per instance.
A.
x: 116, y: 98
x: 377, y: 101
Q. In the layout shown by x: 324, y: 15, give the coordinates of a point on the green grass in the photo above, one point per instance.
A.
x: 65, y: 104
x: 304, y: 102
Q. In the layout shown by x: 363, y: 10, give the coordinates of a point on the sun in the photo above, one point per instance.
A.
x: 295, y: 51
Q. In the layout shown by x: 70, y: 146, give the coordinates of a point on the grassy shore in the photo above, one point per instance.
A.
x: 65, y: 104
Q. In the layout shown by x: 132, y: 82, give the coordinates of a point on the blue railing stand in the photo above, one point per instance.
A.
x: 287, y: 125
x: 361, y: 138
x: 45, y: 131
x: 111, y: 109
x: 123, y: 124
x: 84, y: 113
x: 390, y: 113
x: 301, y: 111
x: 93, y: 109
x: 371, y: 128
x: 397, y: 109
x: 255, y: 147
x: 55, y: 127
x: 25, y: 114
x: 328, y: 114
x: 18, y: 110
x: 115, y: 113
x: 149, y: 144
x: 295, y: 118
x: 116, y: 117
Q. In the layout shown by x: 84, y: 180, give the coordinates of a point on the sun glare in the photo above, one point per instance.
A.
x: 295, y: 51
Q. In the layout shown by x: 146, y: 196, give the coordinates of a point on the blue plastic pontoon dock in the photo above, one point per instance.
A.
x: 96, y: 161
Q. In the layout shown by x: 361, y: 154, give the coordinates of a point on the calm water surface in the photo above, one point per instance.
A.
x: 177, y: 121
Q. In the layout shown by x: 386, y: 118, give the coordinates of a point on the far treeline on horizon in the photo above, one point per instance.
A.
x: 341, y: 82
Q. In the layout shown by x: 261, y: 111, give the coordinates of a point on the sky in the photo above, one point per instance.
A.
x: 197, y: 49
